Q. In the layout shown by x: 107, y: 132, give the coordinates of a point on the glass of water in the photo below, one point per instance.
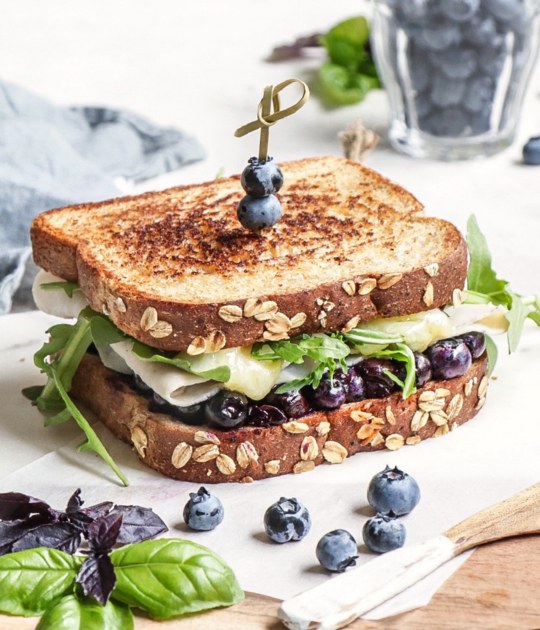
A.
x: 455, y: 72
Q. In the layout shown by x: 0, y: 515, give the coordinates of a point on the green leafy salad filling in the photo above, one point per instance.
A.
x: 60, y: 357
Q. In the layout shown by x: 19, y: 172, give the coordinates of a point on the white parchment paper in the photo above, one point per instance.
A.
x: 481, y: 463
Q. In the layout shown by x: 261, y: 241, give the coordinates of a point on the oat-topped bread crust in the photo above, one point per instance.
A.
x: 176, y: 270
x: 204, y: 455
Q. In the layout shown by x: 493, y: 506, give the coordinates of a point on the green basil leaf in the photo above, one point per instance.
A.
x: 68, y: 287
x: 146, y: 353
x: 104, y: 332
x: 492, y: 353
x: 92, y: 442
x: 71, y: 613
x: 481, y: 278
x: 346, y: 42
x: 170, y: 577
x: 340, y: 86
x: 33, y: 392
x: 323, y: 348
x: 516, y: 317
x: 32, y: 580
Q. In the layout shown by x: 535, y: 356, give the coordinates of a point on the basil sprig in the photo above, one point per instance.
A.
x: 165, y: 578
x: 484, y: 286
x: 67, y: 287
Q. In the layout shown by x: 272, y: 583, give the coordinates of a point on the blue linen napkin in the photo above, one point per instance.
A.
x: 53, y: 156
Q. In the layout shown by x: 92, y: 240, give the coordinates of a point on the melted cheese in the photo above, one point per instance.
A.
x: 57, y: 303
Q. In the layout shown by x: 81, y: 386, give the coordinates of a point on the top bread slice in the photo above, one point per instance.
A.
x: 176, y: 270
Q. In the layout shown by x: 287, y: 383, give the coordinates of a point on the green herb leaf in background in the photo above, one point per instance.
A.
x: 71, y: 613
x: 173, y: 577
x: 32, y: 580
x: 68, y: 287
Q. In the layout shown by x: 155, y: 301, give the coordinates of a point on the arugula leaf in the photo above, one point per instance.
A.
x: 272, y: 350
x: 146, y: 353
x: 71, y: 613
x: 68, y: 287
x: 33, y: 392
x: 402, y: 352
x: 323, y: 348
x: 104, y: 332
x: 170, y: 577
x: 30, y: 581
x: 313, y: 378
x: 492, y: 353
x: 360, y: 336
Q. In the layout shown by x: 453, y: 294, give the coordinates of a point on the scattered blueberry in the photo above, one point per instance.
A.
x: 330, y: 394
x: 266, y: 416
x: 449, y: 358
x: 337, y: 551
x: 227, y: 410
x: 393, y: 491
x: 260, y: 179
x: 294, y: 404
x: 531, y: 152
x: 456, y: 63
x: 384, y: 533
x: 475, y: 341
x: 258, y: 213
x: 423, y: 369
x: 459, y: 10
x: 287, y: 520
x: 203, y: 511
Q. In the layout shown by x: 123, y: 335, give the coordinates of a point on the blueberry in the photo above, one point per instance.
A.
x: 393, y: 491
x: 531, y: 152
x: 480, y: 31
x: 439, y: 36
x: 492, y: 56
x: 449, y: 358
x: 423, y: 369
x: 337, y: 551
x: 446, y: 123
x: 287, y: 520
x: 475, y: 341
x: 504, y: 10
x: 266, y: 416
x: 260, y: 179
x: 378, y: 383
x: 479, y: 94
x: 419, y: 68
x: 258, y: 213
x: 481, y: 122
x: 459, y: 10
x: 445, y: 92
x: 227, y: 410
x: 422, y: 105
x: 141, y: 385
x: 456, y: 63
x: 330, y: 394
x: 384, y: 533
x: 203, y: 511
x: 357, y: 388
x: 294, y: 404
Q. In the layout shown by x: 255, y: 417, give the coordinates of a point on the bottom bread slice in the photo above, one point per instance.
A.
x: 207, y: 455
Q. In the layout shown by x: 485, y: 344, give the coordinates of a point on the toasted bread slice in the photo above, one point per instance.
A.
x: 175, y: 269
x: 192, y: 454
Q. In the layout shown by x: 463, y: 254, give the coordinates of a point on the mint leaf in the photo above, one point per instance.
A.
x: 32, y: 580
x: 341, y: 86
x: 68, y: 287
x: 481, y: 278
x: 146, y: 353
x: 492, y: 353
x: 172, y: 577
x: 346, y: 42
x: 71, y: 613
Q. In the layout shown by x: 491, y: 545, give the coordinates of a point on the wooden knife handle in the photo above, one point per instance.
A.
x: 517, y: 515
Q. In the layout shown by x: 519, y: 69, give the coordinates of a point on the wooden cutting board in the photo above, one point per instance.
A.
x: 498, y: 588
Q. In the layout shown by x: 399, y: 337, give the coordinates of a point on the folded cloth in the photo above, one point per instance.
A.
x: 53, y: 156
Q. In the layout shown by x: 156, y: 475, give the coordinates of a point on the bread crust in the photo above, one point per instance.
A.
x: 60, y: 247
x: 370, y: 425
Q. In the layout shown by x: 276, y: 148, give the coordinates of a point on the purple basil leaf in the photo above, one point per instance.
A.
x: 103, y: 532
x: 15, y: 505
x: 139, y: 524
x: 296, y: 49
x: 63, y: 536
x: 99, y: 510
x: 75, y: 502
x: 97, y: 577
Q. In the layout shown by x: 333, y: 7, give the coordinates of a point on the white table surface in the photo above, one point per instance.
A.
x: 199, y: 65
